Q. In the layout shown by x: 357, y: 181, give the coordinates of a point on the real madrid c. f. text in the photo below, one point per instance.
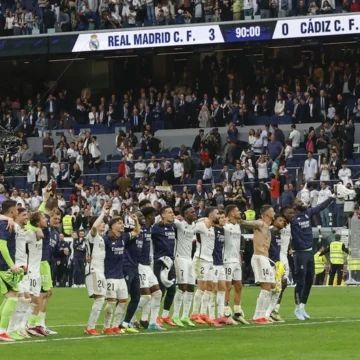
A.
x: 148, y: 38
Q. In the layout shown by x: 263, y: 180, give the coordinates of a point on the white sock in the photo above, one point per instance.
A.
x: 212, y: 306
x: 266, y: 302
x: 144, y: 305
x: 155, y: 306
x: 42, y: 317
x: 297, y: 306
x: 205, y: 302
x: 95, y: 313
x: 262, y: 304
x: 178, y: 300
x: 109, y: 311
x: 24, y: 308
x: 15, y: 317
x: 227, y: 310
x: 119, y: 314
x: 302, y: 306
x: 274, y: 297
x: 237, y: 309
x: 165, y: 313
x: 197, y: 301
x: 27, y: 315
x: 277, y: 308
x: 220, y: 303
x: 187, y: 304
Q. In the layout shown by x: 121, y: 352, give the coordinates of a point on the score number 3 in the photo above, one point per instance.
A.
x: 211, y: 34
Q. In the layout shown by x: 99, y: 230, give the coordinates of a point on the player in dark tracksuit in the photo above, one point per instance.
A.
x: 79, y: 259
x: 131, y: 272
x: 62, y: 252
x: 163, y: 239
x: 302, y: 245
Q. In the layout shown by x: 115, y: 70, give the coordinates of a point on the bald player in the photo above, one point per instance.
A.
x: 260, y: 263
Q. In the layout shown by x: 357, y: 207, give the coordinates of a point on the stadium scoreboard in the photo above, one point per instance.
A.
x: 275, y: 30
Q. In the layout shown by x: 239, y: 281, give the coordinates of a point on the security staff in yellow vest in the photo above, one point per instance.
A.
x: 354, y: 266
x: 337, y: 252
x: 250, y: 214
x: 67, y: 223
x: 320, y: 265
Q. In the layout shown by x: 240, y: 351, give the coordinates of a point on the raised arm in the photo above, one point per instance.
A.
x: 253, y: 224
x: 105, y: 211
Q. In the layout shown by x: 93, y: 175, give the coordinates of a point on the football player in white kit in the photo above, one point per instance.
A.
x: 232, y: 263
x: 95, y: 278
x: 185, y: 274
x: 34, y: 242
x: 15, y: 330
x: 285, y: 235
x: 203, y: 264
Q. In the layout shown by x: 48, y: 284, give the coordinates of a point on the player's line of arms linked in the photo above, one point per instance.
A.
x: 253, y: 224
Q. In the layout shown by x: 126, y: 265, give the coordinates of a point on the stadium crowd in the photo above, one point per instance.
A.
x: 34, y: 16
x: 319, y: 89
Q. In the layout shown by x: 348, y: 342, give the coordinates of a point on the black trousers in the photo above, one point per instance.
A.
x: 304, y: 269
x: 79, y: 270
x: 61, y: 273
x: 133, y: 284
x: 170, y: 292
x: 319, y: 278
x: 336, y: 269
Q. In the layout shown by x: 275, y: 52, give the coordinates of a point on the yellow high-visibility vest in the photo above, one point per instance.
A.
x: 250, y: 214
x: 353, y: 264
x: 67, y: 224
x: 336, y: 253
x: 320, y: 262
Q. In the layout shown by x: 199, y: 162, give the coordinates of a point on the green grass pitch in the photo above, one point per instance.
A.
x: 332, y: 333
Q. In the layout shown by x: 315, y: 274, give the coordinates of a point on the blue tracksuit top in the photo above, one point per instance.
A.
x: 301, y: 230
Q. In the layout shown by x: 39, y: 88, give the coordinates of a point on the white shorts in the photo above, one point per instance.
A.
x: 233, y: 272
x: 285, y: 261
x: 219, y: 273
x: 116, y: 289
x: 204, y: 270
x: 147, y: 277
x: 185, y: 273
x: 263, y: 271
x: 35, y: 284
x: 24, y: 285
x: 95, y: 284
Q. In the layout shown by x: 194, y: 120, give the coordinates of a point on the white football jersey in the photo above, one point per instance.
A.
x: 35, y: 247
x: 232, y: 243
x: 205, y: 249
x: 95, y: 248
x: 185, y: 237
x: 20, y: 243
x: 285, y: 239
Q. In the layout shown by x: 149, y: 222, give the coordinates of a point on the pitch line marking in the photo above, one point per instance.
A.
x: 179, y: 332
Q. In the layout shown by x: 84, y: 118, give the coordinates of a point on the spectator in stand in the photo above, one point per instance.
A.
x: 275, y: 148
x: 178, y: 169
x: 140, y: 168
x: 324, y: 170
x: 279, y: 109
x: 288, y: 150
x: 287, y: 197
x: 274, y: 192
x: 322, y: 144
x: 31, y: 173
x: 310, y: 168
x: 295, y: 137
x: 279, y: 135
x: 344, y: 174
x: 324, y: 194
x: 48, y: 145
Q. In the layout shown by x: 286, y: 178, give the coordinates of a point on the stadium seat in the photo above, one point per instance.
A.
x: 263, y: 120
x: 114, y: 166
x: 357, y: 158
x: 158, y: 125
x: 19, y: 182
x: 117, y: 157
